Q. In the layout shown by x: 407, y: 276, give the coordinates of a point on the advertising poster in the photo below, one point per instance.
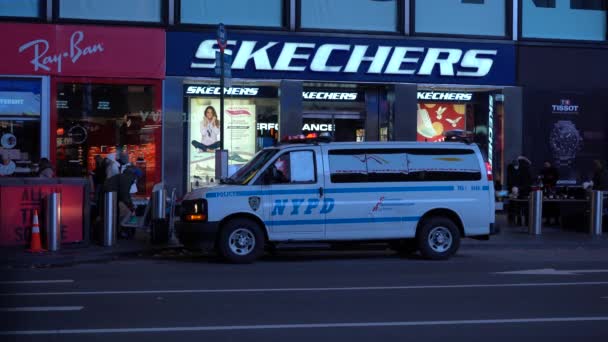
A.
x: 239, y: 135
x: 20, y: 202
x: 436, y: 118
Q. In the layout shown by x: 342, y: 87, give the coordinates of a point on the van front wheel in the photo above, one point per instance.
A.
x: 241, y: 241
x: 438, y: 238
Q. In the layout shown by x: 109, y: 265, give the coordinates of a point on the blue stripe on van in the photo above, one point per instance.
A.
x: 343, y: 221
x: 329, y: 191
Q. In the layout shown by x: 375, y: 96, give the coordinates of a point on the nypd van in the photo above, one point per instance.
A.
x: 414, y: 196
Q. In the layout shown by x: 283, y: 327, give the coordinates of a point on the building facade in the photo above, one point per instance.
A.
x: 524, y: 77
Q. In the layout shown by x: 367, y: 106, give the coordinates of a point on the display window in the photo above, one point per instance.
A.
x: 250, y: 124
x: 339, y: 111
x: 108, y: 119
x: 20, y: 112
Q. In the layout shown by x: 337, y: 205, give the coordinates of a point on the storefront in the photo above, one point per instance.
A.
x: 359, y: 89
x: 105, y: 95
x: 564, y: 104
x: 69, y: 93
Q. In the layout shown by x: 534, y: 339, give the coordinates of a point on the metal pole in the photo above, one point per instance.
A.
x: 221, y: 99
x: 535, y: 213
x: 597, y: 207
x: 159, y: 204
x: 53, y: 222
x: 109, y: 218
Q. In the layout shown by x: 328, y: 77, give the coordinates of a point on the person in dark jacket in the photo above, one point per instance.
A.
x: 600, y: 176
x: 121, y: 184
x: 550, y: 176
x: 45, y: 169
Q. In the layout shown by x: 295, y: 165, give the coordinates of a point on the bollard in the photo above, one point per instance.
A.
x: 597, y: 207
x: 109, y: 218
x: 535, y: 213
x: 53, y: 221
x: 159, y: 203
x: 221, y: 165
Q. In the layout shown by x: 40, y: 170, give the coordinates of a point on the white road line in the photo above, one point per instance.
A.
x: 305, y: 326
x: 60, y: 281
x: 303, y: 289
x: 42, y: 308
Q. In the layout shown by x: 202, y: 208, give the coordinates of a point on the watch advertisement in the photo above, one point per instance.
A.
x: 205, y: 136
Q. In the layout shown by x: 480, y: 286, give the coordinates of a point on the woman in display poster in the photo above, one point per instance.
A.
x: 210, y: 131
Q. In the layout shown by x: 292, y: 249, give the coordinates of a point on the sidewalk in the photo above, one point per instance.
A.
x: 510, y: 237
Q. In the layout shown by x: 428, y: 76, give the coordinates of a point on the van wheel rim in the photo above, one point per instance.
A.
x: 241, y: 241
x: 440, y: 239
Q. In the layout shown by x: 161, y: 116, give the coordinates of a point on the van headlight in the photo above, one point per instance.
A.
x: 194, y: 210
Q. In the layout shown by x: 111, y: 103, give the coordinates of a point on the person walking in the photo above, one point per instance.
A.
x: 45, y: 169
x: 600, y: 176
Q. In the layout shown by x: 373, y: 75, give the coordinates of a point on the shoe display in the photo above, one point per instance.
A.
x: 237, y: 158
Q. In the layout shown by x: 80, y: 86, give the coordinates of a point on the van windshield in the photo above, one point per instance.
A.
x: 245, y: 174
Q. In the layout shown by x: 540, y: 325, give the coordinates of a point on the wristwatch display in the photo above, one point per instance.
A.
x: 565, y: 141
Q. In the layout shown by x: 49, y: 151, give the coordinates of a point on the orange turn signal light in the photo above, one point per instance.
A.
x: 196, y: 217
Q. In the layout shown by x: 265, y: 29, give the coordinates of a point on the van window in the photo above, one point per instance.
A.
x: 403, y: 165
x: 295, y: 167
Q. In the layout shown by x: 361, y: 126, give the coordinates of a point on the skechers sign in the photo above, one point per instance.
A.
x: 343, y: 59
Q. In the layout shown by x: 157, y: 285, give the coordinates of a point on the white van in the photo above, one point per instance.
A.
x: 416, y: 196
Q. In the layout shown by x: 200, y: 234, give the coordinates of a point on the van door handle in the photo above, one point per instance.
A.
x: 321, y: 192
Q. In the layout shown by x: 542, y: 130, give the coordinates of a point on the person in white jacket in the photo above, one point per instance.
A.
x: 210, y: 131
x: 112, y: 166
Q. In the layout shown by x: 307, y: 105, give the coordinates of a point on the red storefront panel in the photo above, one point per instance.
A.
x: 78, y: 50
x: 20, y: 202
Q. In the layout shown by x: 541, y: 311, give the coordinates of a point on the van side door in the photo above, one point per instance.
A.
x: 294, y: 183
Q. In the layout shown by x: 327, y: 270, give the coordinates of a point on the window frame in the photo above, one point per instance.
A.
x: 164, y: 16
x: 400, y: 30
x: 407, y: 151
x: 581, y: 42
x: 285, y: 15
x: 41, y: 18
x: 508, y: 25
x: 266, y: 168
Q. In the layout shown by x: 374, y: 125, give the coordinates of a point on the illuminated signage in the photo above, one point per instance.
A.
x: 565, y: 107
x: 212, y: 90
x: 315, y: 127
x: 341, y: 59
x: 491, y: 129
x: 444, y: 96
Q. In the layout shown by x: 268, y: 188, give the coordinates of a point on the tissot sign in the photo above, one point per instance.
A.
x: 343, y: 59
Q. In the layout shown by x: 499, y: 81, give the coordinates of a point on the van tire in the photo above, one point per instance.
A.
x: 404, y: 247
x: 241, y: 241
x: 438, y: 238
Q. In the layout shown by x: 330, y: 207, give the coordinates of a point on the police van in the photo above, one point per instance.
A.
x: 415, y: 196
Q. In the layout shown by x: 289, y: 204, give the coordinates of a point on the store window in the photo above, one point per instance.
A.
x: 250, y: 123
x: 468, y: 17
x: 264, y: 13
x: 338, y: 111
x: 20, y: 8
x: 358, y: 15
x: 112, y: 10
x: 564, y: 19
x: 20, y: 111
x: 109, y: 120
x: 441, y: 112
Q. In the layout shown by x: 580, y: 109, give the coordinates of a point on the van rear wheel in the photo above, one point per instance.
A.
x: 241, y: 241
x: 438, y: 238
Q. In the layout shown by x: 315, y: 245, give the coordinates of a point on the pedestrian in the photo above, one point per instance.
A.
x: 600, y: 176
x: 123, y: 160
x: 45, y: 169
x: 111, y: 165
x: 121, y: 184
x: 550, y: 176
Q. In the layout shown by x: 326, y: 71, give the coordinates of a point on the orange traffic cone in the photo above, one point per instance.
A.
x: 35, y: 243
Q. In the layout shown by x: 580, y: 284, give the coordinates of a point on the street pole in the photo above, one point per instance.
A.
x: 222, y: 136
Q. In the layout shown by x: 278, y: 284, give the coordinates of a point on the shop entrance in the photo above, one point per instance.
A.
x: 346, y: 126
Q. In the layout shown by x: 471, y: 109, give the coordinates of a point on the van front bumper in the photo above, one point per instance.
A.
x: 197, y: 234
